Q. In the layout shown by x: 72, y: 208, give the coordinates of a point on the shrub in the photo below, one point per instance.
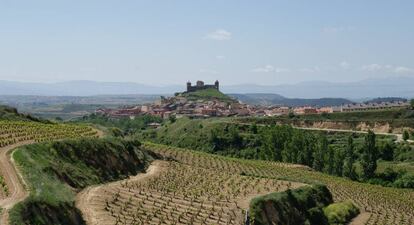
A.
x: 341, y: 213
x: 406, y: 181
x: 300, y: 206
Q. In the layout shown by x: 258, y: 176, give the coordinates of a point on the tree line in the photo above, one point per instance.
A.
x: 313, y: 149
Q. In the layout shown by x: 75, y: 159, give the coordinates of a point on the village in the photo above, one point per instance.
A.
x: 180, y: 105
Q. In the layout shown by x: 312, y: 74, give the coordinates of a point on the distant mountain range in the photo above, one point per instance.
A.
x: 275, y: 99
x: 371, y: 88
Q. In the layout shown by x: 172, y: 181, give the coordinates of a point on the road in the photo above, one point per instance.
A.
x: 13, y: 179
x: 399, y: 137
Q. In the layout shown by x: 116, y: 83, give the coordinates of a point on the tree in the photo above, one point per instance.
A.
x: 215, y: 140
x: 369, y: 156
x: 235, y: 139
x: 412, y: 103
x: 330, y: 161
x: 405, y: 135
x: 349, y: 168
x: 338, y: 162
x: 387, y: 151
x: 319, y: 154
x: 253, y: 128
x: 310, y: 143
x: 172, y: 118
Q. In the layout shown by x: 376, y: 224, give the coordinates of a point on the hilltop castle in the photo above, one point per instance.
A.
x: 201, y: 86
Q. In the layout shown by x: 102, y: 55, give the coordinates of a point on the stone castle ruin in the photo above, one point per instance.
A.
x: 201, y: 86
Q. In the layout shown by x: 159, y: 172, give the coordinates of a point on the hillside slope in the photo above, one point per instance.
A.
x: 55, y: 171
x: 207, y: 94
x: 10, y: 113
x: 275, y: 99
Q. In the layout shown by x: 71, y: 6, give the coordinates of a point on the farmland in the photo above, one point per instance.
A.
x: 181, y: 194
x: 384, y: 205
x: 199, y: 188
x: 102, y: 181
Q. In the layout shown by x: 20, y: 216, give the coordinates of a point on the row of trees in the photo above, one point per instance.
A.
x: 285, y: 144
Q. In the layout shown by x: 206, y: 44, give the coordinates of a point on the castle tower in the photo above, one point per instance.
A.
x: 200, y: 83
x: 216, y: 84
x: 188, y: 86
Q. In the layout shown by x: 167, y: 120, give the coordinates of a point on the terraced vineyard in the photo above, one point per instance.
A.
x: 14, y: 132
x: 384, y: 205
x: 182, y: 194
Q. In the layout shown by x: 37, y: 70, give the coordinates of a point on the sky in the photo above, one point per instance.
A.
x: 235, y: 41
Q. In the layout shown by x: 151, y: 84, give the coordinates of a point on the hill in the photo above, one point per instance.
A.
x: 10, y: 113
x: 275, y: 99
x: 370, y: 88
x: 386, y: 99
x: 207, y: 94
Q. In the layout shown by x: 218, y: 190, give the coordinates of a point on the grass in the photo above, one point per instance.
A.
x: 11, y: 114
x: 208, y: 94
x: 407, y: 166
x: 341, y: 213
x: 55, y: 171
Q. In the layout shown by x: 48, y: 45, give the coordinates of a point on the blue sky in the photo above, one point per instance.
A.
x: 235, y: 41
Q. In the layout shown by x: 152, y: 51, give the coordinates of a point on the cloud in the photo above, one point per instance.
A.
x: 345, y: 65
x: 219, y: 35
x: 402, y: 69
x: 264, y: 69
x: 310, y: 70
x: 220, y: 57
x: 387, y: 68
x: 372, y: 67
x: 338, y: 29
x: 269, y: 68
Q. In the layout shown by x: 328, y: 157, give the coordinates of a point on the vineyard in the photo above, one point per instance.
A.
x: 14, y: 132
x: 384, y: 205
x: 182, y: 194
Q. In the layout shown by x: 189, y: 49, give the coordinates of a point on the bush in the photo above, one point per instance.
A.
x: 300, y: 206
x: 341, y: 213
x: 406, y: 181
x: 406, y: 135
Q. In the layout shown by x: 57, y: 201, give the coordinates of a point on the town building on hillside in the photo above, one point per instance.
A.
x: 201, y: 86
x: 373, y: 106
x: 305, y: 110
x: 327, y: 109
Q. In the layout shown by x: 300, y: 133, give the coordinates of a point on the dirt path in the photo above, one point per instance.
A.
x: 13, y: 180
x: 399, y: 137
x: 361, y: 219
x: 84, y: 198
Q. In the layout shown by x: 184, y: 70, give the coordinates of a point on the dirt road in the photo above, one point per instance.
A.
x: 13, y: 179
x: 399, y: 137
x: 84, y: 198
